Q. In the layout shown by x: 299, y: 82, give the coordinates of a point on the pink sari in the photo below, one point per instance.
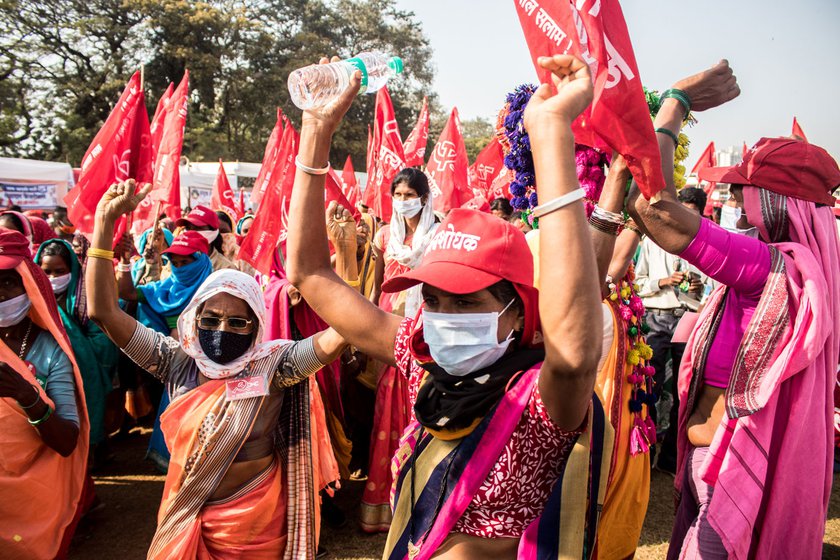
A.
x: 771, y: 458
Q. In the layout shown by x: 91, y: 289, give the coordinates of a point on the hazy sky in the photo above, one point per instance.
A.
x: 786, y: 56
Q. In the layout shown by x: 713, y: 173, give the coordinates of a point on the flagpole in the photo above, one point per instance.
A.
x: 142, y: 77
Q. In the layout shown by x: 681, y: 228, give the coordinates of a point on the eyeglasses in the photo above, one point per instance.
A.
x: 214, y: 323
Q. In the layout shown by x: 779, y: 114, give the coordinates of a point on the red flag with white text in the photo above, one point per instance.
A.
x: 618, y: 117
x: 271, y: 149
x: 120, y: 150
x: 797, y: 131
x: 488, y: 165
x: 388, y: 157
x: 447, y: 167
x: 222, y: 197
x: 415, y: 144
x: 272, y: 217
x: 167, y: 180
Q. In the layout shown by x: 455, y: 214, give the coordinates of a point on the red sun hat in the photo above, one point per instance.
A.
x: 14, y: 248
x: 785, y: 166
x: 188, y: 243
x: 200, y: 216
x: 470, y: 251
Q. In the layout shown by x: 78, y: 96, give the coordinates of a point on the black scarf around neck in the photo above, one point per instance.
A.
x: 450, y: 403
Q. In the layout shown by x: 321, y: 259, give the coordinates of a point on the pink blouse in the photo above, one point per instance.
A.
x: 517, y: 487
x: 741, y: 263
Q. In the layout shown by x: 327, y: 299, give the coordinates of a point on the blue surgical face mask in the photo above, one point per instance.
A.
x: 12, y: 311
x: 407, y: 208
x: 462, y: 343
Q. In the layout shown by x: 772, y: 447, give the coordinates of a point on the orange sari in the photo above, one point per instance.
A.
x: 40, y: 489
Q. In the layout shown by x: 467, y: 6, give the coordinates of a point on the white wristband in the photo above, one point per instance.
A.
x: 559, y: 202
x: 124, y: 267
x: 311, y: 170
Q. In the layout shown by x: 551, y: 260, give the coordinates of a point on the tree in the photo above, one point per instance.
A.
x: 73, y: 57
x: 477, y: 134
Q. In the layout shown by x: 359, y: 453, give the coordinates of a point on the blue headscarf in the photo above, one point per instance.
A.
x: 140, y: 264
x: 166, y: 299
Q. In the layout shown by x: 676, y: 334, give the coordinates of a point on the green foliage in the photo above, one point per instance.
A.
x: 477, y: 134
x: 72, y: 58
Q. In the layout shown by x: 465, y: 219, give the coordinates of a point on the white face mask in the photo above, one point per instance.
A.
x: 12, y: 311
x: 60, y: 283
x: 462, y: 343
x: 408, y: 208
x: 729, y: 216
x: 210, y: 236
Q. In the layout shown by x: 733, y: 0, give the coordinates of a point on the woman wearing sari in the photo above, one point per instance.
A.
x: 95, y: 354
x: 398, y: 247
x: 755, y: 434
x: 509, y: 450
x: 43, y: 421
x: 240, y: 482
x: 160, y: 305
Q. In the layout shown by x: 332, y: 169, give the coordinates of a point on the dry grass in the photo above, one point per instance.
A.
x: 131, y: 490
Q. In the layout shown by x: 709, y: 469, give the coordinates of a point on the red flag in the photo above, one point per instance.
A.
x: 388, y: 159
x: 240, y: 206
x: 707, y: 159
x: 797, y: 131
x: 618, y: 117
x: 160, y: 116
x: 271, y: 149
x: 351, y: 185
x: 500, y: 188
x: 487, y: 166
x: 222, y: 197
x: 447, y: 167
x: 335, y: 193
x: 415, y: 144
x: 167, y: 180
x: 479, y: 202
x: 271, y: 219
x: 120, y: 150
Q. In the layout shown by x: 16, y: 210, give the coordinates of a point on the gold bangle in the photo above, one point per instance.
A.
x: 100, y: 254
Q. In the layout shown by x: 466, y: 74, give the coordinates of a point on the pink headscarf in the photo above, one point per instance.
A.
x: 41, y: 231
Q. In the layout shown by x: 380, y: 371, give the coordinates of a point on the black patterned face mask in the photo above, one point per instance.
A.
x: 223, y: 347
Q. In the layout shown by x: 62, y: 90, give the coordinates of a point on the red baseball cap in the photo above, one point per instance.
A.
x: 187, y: 243
x: 200, y: 216
x: 785, y: 166
x: 14, y: 247
x: 470, y: 251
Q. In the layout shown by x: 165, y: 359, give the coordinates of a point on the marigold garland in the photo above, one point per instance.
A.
x: 631, y: 310
x: 681, y: 152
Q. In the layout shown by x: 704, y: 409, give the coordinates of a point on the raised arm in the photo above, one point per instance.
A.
x: 125, y: 284
x: 611, y: 200
x: 361, y: 323
x: 671, y: 225
x: 570, y: 296
x: 100, y: 287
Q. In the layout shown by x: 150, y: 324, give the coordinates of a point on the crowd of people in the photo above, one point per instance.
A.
x: 502, y: 383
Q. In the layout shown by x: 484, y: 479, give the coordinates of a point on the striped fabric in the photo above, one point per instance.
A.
x: 224, y: 428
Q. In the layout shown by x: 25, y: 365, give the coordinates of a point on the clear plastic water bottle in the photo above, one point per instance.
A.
x: 317, y: 85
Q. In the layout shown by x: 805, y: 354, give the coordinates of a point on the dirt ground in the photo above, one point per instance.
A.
x: 131, y: 489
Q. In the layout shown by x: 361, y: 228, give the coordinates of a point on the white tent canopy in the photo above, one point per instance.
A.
x: 33, y: 184
x: 197, y: 179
